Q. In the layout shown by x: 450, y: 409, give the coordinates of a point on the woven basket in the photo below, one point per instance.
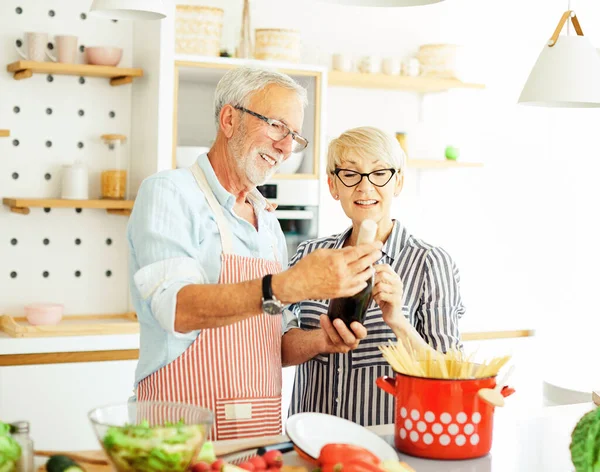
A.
x: 438, y: 60
x: 277, y: 45
x: 198, y: 30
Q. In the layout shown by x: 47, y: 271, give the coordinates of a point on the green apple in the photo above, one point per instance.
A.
x: 452, y: 153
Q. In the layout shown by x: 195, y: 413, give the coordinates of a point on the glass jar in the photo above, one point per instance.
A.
x: 20, y: 432
x: 115, y: 179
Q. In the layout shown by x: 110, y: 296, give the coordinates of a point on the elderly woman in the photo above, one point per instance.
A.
x: 416, y: 291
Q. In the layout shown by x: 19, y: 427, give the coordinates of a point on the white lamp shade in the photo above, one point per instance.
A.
x: 382, y: 3
x: 128, y: 9
x: 566, y: 75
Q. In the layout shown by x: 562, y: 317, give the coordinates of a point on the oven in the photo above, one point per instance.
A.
x: 297, y: 209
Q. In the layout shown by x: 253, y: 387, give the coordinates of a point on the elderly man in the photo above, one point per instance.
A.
x: 206, y: 260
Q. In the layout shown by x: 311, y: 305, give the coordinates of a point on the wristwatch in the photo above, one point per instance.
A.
x: 270, y: 305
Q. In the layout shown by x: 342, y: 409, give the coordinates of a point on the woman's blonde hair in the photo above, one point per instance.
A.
x: 365, y: 142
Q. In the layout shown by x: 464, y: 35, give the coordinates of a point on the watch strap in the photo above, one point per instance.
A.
x: 266, y: 287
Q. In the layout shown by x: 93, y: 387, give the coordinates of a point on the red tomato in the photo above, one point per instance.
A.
x: 200, y: 467
x: 258, y: 462
x: 218, y: 465
x: 247, y: 465
x: 274, y: 458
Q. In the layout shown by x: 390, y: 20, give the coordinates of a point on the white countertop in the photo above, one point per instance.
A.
x: 108, y: 342
x: 537, y: 441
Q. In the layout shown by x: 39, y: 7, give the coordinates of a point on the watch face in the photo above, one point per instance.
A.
x: 272, y: 307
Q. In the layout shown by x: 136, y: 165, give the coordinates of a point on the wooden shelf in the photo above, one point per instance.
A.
x: 22, y: 205
x: 439, y: 164
x: 72, y: 325
x: 396, y: 82
x: 117, y: 75
x: 4, y: 133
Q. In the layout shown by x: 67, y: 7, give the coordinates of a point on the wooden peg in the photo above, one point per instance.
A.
x: 116, y: 81
x: 21, y: 211
x: 23, y: 74
x: 113, y: 137
x: 119, y: 212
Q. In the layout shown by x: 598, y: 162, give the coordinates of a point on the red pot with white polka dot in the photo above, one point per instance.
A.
x: 441, y: 418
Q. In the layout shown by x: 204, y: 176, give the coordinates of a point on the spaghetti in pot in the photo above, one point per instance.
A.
x: 428, y: 363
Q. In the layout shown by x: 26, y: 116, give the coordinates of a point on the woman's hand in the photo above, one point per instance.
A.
x: 337, y: 338
x: 388, y: 293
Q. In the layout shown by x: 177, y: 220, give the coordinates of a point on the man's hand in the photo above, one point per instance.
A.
x: 328, y: 273
x: 270, y: 207
x: 338, y: 338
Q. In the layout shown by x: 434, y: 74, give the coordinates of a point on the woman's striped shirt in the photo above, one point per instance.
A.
x: 344, y: 384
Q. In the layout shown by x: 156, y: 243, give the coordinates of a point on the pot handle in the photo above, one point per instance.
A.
x: 387, y: 384
x: 507, y: 391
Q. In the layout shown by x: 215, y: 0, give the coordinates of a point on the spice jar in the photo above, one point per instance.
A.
x: 114, y: 181
x: 20, y: 432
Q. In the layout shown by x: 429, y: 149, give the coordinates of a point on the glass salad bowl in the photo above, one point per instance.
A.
x: 151, y: 436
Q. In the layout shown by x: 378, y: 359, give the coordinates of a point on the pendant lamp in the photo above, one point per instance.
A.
x: 128, y: 9
x: 382, y: 3
x: 567, y: 72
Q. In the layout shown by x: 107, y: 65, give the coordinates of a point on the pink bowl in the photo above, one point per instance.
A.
x: 44, y: 313
x: 103, y: 55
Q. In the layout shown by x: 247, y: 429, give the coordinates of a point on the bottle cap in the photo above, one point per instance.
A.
x: 19, y: 427
x: 367, y: 232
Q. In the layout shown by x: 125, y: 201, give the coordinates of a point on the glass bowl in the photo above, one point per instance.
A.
x: 151, y: 436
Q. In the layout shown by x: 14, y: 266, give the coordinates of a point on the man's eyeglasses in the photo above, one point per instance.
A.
x: 278, y: 130
x: 351, y: 178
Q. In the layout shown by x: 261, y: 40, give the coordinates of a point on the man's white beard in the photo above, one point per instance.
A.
x: 247, y: 163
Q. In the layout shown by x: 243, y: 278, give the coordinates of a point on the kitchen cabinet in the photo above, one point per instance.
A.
x: 57, y: 398
x: 195, y: 85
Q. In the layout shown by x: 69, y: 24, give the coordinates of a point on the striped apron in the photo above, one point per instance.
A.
x: 234, y: 370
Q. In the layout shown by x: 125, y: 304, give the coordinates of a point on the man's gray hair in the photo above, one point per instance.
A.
x: 237, y: 86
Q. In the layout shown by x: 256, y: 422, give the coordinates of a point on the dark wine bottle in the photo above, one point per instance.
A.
x: 354, y: 308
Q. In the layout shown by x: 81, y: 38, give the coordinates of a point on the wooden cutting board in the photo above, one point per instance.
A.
x: 86, y: 467
x: 80, y: 457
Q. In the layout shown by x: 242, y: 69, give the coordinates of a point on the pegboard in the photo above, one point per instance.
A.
x: 69, y: 256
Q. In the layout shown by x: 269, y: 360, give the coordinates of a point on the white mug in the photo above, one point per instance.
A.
x: 35, y: 45
x: 75, y: 182
x: 66, y: 47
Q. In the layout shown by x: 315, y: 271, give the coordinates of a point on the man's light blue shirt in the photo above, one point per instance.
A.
x: 173, y: 242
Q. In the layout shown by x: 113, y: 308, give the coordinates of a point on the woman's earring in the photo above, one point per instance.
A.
x: 337, y: 197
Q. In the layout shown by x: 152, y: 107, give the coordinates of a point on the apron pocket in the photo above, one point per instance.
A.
x: 248, y: 417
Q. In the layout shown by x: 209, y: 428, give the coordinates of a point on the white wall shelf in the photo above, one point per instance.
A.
x: 23, y: 205
x: 117, y: 75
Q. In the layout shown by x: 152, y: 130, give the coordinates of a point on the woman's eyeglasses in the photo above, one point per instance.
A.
x: 351, y: 178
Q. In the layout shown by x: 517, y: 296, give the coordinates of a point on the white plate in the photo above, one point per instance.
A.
x: 311, y: 431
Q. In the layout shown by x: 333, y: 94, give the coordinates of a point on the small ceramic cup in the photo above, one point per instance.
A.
x: 391, y: 66
x: 369, y: 65
x: 44, y: 313
x: 341, y: 62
